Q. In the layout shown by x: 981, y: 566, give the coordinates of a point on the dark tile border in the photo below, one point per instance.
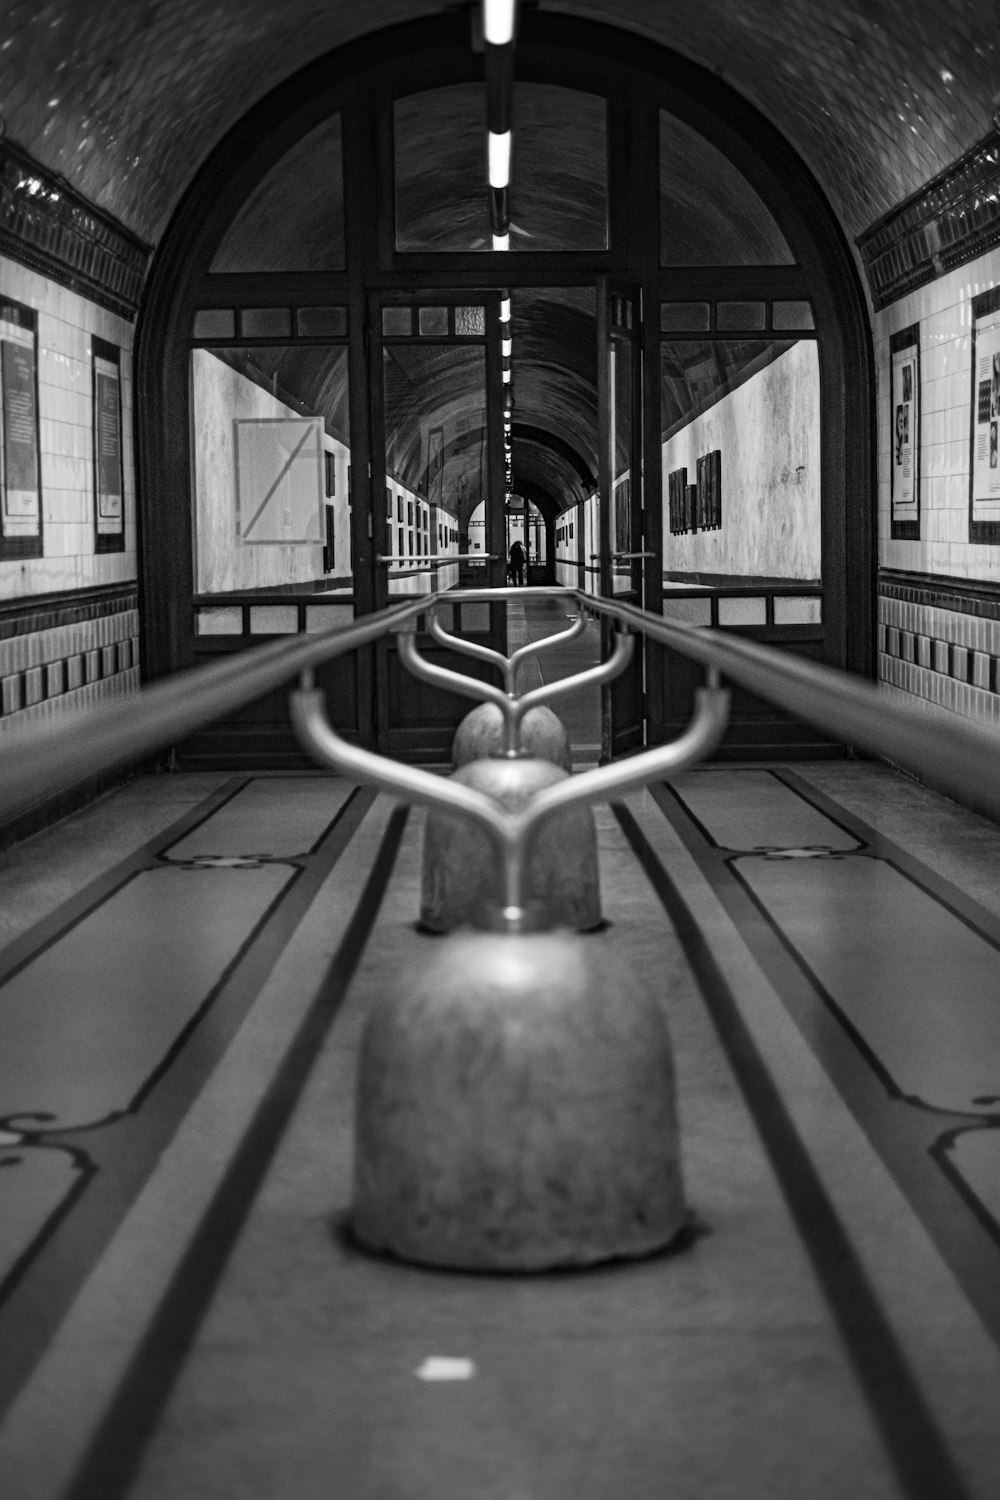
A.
x: 49, y: 227
x: 50, y: 611
x: 981, y: 600
x: 948, y: 222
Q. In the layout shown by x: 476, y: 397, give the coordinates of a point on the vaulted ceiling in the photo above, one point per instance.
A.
x: 126, y: 97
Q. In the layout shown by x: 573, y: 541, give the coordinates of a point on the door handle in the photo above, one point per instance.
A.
x: 626, y: 556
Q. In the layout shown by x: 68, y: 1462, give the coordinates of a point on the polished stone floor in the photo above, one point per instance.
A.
x: 185, y: 970
x: 183, y: 1316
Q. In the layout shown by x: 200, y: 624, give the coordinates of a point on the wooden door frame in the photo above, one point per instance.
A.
x: 637, y: 78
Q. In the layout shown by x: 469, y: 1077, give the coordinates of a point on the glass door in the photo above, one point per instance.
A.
x: 437, y: 520
x: 623, y: 555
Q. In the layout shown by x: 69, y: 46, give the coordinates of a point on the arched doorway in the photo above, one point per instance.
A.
x: 321, y: 372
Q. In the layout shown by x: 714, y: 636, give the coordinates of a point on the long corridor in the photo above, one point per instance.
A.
x: 184, y: 1314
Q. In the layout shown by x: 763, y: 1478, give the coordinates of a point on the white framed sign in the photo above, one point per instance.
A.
x: 904, y: 433
x: 984, y: 457
x: 20, y: 482
x: 280, y: 481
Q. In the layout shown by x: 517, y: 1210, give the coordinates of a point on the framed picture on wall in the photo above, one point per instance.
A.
x: 20, y: 470
x: 904, y: 434
x: 984, y: 460
x: 109, y: 486
x: 435, y: 465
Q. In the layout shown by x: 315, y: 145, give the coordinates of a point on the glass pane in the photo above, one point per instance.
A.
x: 620, y: 371
x: 440, y: 162
x: 709, y: 213
x: 433, y: 320
x: 559, y: 169
x: 470, y: 322
x: 792, y: 315
x: 559, y: 188
x: 321, y: 322
x: 397, y: 321
x: 685, y: 317
x: 266, y: 323
x: 215, y: 323
x: 740, y: 434
x: 272, y: 469
x: 435, y: 459
x: 740, y: 317
x: 294, y: 219
x: 554, y: 418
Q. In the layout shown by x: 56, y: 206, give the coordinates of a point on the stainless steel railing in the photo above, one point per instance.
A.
x: 961, y: 759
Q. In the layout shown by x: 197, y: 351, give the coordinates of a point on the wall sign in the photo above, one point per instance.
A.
x: 109, y: 471
x: 904, y: 434
x: 280, y: 481
x: 709, y: 474
x: 984, y: 461
x: 20, y: 489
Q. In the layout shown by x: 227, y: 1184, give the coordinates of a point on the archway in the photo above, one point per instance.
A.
x: 637, y: 169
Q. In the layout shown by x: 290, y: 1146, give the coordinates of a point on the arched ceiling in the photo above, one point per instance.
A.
x: 126, y: 97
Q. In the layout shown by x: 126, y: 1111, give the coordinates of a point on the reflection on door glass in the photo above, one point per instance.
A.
x: 439, y: 141
x: 709, y: 213
x: 559, y: 169
x: 435, y: 460
x: 620, y: 373
x: 272, y: 469
x: 294, y: 219
x: 740, y: 434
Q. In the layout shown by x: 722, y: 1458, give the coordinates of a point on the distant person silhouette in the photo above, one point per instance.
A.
x: 515, y: 563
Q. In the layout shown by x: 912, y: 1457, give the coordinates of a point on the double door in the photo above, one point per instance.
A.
x: 440, y: 406
x: 363, y: 460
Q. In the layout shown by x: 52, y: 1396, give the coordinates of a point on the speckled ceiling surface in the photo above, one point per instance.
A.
x: 125, y: 97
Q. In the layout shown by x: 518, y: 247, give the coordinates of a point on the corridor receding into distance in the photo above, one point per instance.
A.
x: 499, y: 730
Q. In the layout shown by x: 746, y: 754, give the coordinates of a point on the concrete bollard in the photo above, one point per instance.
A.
x: 460, y: 874
x: 481, y: 735
x: 516, y: 1109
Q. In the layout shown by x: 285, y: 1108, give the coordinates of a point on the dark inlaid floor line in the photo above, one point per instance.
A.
x: 117, y: 1449
x: 918, y: 1453
x: 963, y: 906
x: 119, y: 1156
x: 905, y: 1134
x: 51, y: 927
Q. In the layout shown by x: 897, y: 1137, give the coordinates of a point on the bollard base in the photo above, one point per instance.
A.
x: 516, y: 1110
x: 480, y: 735
x: 459, y: 871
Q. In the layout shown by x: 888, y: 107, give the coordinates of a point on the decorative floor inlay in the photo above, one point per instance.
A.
x: 113, y: 1008
x: 891, y: 973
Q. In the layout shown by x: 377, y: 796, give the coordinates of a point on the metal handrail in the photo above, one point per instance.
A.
x: 961, y: 759
x: 514, y: 707
x: 513, y: 834
x: 507, y: 665
x: 438, y: 558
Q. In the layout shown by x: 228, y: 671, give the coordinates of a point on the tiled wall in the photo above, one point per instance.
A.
x: 68, y: 619
x: 939, y: 605
x: 70, y: 656
x: 66, y: 323
x: 932, y: 647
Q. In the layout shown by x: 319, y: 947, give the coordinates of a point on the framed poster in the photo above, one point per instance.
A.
x: 984, y: 462
x: 676, y: 485
x: 709, y: 473
x: 435, y: 465
x: 904, y: 434
x: 280, y: 481
x: 20, y: 483
x: 109, y: 472
x: 623, y: 513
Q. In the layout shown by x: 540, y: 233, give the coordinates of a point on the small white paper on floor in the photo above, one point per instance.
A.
x: 445, y: 1367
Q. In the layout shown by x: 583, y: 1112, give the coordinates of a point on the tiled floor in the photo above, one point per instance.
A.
x: 188, y: 967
